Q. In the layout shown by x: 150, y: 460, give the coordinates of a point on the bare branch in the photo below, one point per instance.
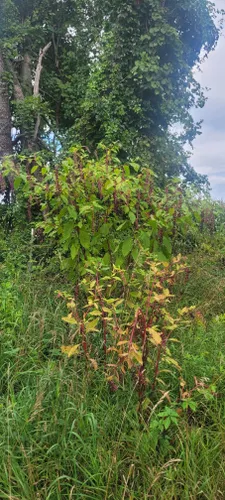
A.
x: 37, y: 84
x: 39, y: 68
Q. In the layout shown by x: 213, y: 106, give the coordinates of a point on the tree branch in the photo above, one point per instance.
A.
x: 37, y: 84
x: 39, y: 68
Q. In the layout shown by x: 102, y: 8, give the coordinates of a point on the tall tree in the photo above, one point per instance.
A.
x: 115, y: 71
x: 142, y: 83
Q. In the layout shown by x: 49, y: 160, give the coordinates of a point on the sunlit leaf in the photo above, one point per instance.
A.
x: 70, y: 350
x: 17, y: 182
x: 69, y: 319
x: 137, y: 355
x: 155, y: 336
x: 90, y: 326
x: 95, y: 313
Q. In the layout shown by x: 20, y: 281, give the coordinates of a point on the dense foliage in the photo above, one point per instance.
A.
x: 112, y: 268
x: 112, y: 71
x: 101, y: 423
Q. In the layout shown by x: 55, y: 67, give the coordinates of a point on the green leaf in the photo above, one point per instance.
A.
x: 104, y: 229
x: 132, y: 217
x: 74, y: 251
x: 135, y: 166
x: 145, y: 239
x: 85, y: 209
x: 67, y: 229
x: 34, y: 169
x: 97, y: 205
x: 167, y: 244
x: 108, y: 185
x: 84, y: 239
x: 119, y: 262
x: 127, y: 246
x: 167, y: 423
x: 135, y: 253
x: 161, y: 256
x: 17, y: 182
x: 121, y: 226
x: 72, y: 212
x: 106, y: 259
x: 153, y: 223
x: 127, y: 170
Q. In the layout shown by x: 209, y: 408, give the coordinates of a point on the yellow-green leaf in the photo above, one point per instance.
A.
x: 70, y: 350
x: 95, y: 313
x: 69, y: 319
x: 90, y: 325
x: 173, y: 362
x: 155, y: 336
x: 137, y: 355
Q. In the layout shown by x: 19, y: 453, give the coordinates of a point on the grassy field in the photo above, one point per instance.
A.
x: 65, y: 435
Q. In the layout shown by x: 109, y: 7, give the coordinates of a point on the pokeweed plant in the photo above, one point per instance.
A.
x: 121, y: 320
x: 98, y: 208
x: 113, y: 231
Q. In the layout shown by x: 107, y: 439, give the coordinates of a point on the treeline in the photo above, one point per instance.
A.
x: 85, y: 72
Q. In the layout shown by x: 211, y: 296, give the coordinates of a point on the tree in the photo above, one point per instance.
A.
x: 115, y: 72
x: 26, y: 27
x: 142, y: 82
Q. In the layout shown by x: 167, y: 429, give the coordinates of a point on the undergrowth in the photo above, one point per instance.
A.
x: 66, y: 435
x: 112, y: 353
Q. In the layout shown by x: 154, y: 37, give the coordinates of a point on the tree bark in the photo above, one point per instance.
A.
x: 18, y: 94
x: 5, y: 115
x: 26, y: 76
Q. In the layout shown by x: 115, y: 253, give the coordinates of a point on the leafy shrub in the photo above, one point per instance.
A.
x: 101, y: 209
x: 114, y: 232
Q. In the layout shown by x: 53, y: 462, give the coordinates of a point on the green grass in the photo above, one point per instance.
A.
x: 64, y: 435
x: 206, y: 286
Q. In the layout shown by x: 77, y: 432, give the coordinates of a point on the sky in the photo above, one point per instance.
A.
x: 209, y: 148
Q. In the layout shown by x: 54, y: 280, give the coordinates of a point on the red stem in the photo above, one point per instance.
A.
x: 157, y: 366
x: 133, y: 329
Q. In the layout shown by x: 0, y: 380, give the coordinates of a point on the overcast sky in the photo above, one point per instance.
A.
x: 209, y: 148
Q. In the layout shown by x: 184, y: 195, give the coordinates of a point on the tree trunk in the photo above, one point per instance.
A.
x: 26, y: 76
x: 5, y: 115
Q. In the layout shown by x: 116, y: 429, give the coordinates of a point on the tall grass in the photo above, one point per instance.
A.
x: 65, y: 435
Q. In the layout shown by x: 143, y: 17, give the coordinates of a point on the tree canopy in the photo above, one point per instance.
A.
x: 104, y: 72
